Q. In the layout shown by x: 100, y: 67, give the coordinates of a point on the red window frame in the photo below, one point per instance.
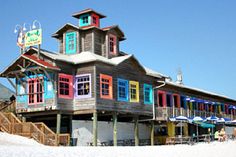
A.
x: 163, y: 93
x: 112, y: 44
x: 95, y: 20
x: 106, y: 81
x: 35, y: 91
x: 65, y: 79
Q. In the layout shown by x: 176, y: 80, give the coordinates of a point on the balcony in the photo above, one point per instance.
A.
x: 163, y: 113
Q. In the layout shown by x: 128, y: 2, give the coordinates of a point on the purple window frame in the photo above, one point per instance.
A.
x: 76, y: 87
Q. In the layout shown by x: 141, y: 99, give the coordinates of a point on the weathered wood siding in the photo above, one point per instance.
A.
x: 129, y: 70
x: 88, y: 41
x: 99, y: 41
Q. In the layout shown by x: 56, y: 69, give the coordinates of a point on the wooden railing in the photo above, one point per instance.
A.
x: 8, y: 106
x: 38, y: 131
x: 50, y: 136
x: 5, y: 124
x: 162, y: 113
x: 63, y: 139
x: 28, y: 129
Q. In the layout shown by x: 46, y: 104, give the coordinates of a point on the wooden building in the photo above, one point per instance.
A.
x: 107, y: 94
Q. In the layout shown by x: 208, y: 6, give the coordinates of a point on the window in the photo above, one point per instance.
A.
x: 134, y: 91
x: 35, y: 90
x: 85, y: 19
x: 94, y: 20
x: 105, y: 86
x: 148, y: 98
x: 112, y: 44
x: 65, y: 86
x: 123, y: 91
x: 71, y: 42
x: 83, y: 86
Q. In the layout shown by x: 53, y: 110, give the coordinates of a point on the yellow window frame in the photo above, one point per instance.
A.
x: 134, y: 92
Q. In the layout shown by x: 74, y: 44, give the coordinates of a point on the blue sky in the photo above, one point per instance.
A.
x: 197, y: 36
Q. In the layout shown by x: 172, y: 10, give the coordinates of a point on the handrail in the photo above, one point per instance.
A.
x: 12, y: 118
x: 165, y: 112
x: 5, y: 124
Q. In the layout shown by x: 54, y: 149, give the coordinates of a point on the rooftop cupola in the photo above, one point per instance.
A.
x: 88, y: 17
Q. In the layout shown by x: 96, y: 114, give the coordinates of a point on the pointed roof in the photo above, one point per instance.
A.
x: 30, y: 58
x: 61, y: 30
x: 89, y: 10
x: 116, y: 28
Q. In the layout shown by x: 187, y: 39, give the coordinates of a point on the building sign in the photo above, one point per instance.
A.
x: 33, y: 37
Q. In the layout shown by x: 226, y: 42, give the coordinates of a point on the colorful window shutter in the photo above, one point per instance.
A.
x: 106, y: 86
x: 71, y: 44
x: 134, y: 91
x: 65, y: 86
x: 122, y: 90
x: 148, y: 94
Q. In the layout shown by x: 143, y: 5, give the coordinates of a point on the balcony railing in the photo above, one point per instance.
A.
x: 163, y: 113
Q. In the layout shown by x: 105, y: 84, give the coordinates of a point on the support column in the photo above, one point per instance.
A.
x: 58, y: 123
x: 136, y: 131
x: 115, y: 129
x: 95, y: 130
x: 152, y: 132
x: 70, y: 124
x: 171, y: 129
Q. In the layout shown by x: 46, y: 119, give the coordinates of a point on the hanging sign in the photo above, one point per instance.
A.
x: 33, y: 37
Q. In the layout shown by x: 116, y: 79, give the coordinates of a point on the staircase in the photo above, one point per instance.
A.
x: 8, y: 106
x: 38, y: 131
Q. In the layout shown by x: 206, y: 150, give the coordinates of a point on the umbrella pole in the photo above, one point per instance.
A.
x: 197, y: 133
x: 181, y: 131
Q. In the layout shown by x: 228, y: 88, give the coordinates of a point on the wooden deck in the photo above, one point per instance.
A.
x: 38, y: 131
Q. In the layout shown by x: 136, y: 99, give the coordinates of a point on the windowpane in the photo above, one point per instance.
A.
x: 35, y: 91
x: 134, y: 91
x: 105, y: 86
x: 83, y: 86
x: 148, y: 94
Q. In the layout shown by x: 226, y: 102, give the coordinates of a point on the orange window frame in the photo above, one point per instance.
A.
x: 106, y: 81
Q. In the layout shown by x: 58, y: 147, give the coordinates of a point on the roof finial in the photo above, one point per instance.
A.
x: 179, y: 77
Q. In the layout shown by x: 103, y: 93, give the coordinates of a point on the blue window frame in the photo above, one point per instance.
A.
x: 123, y: 90
x: 84, y: 20
x: 71, y: 43
x: 148, y: 95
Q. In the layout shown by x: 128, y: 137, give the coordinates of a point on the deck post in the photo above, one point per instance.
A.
x: 114, y: 129
x: 152, y: 133
x: 95, y: 128
x: 58, y: 123
x: 136, y: 131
